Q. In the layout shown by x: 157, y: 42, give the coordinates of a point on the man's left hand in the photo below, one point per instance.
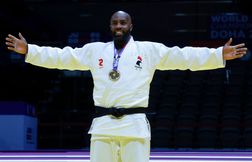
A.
x: 233, y: 52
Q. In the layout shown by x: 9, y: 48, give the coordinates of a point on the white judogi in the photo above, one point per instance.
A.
x: 137, y: 65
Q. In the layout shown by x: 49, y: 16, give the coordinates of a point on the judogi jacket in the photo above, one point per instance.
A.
x: 137, y: 65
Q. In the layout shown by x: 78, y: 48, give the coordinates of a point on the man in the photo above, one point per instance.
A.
x: 122, y: 71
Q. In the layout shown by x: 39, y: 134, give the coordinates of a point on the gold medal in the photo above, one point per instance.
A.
x: 114, y: 75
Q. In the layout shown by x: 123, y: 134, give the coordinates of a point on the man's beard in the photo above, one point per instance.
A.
x: 121, y: 41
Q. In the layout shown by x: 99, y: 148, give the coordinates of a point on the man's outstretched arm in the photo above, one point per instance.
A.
x: 50, y: 57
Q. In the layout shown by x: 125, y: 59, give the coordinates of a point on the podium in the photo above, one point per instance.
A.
x: 18, y: 126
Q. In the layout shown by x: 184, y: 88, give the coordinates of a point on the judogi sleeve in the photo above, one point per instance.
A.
x: 192, y: 58
x: 66, y: 58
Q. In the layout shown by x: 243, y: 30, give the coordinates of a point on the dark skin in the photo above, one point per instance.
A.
x: 121, y: 27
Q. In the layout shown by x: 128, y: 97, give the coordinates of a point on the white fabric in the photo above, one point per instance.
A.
x: 137, y: 65
x: 135, y: 126
x: 119, y: 149
x: 132, y: 89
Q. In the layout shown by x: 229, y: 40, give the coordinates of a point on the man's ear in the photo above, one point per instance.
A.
x: 131, y: 27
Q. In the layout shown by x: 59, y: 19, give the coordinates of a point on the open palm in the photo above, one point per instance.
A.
x: 18, y: 45
x: 233, y: 52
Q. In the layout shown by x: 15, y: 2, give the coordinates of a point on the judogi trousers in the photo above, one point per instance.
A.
x: 119, y: 149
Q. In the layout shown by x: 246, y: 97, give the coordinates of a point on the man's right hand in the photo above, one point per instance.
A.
x: 17, y: 45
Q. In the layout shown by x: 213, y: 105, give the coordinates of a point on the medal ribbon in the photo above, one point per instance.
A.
x: 116, y: 59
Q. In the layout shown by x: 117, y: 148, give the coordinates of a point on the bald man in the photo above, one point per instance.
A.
x: 122, y: 71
